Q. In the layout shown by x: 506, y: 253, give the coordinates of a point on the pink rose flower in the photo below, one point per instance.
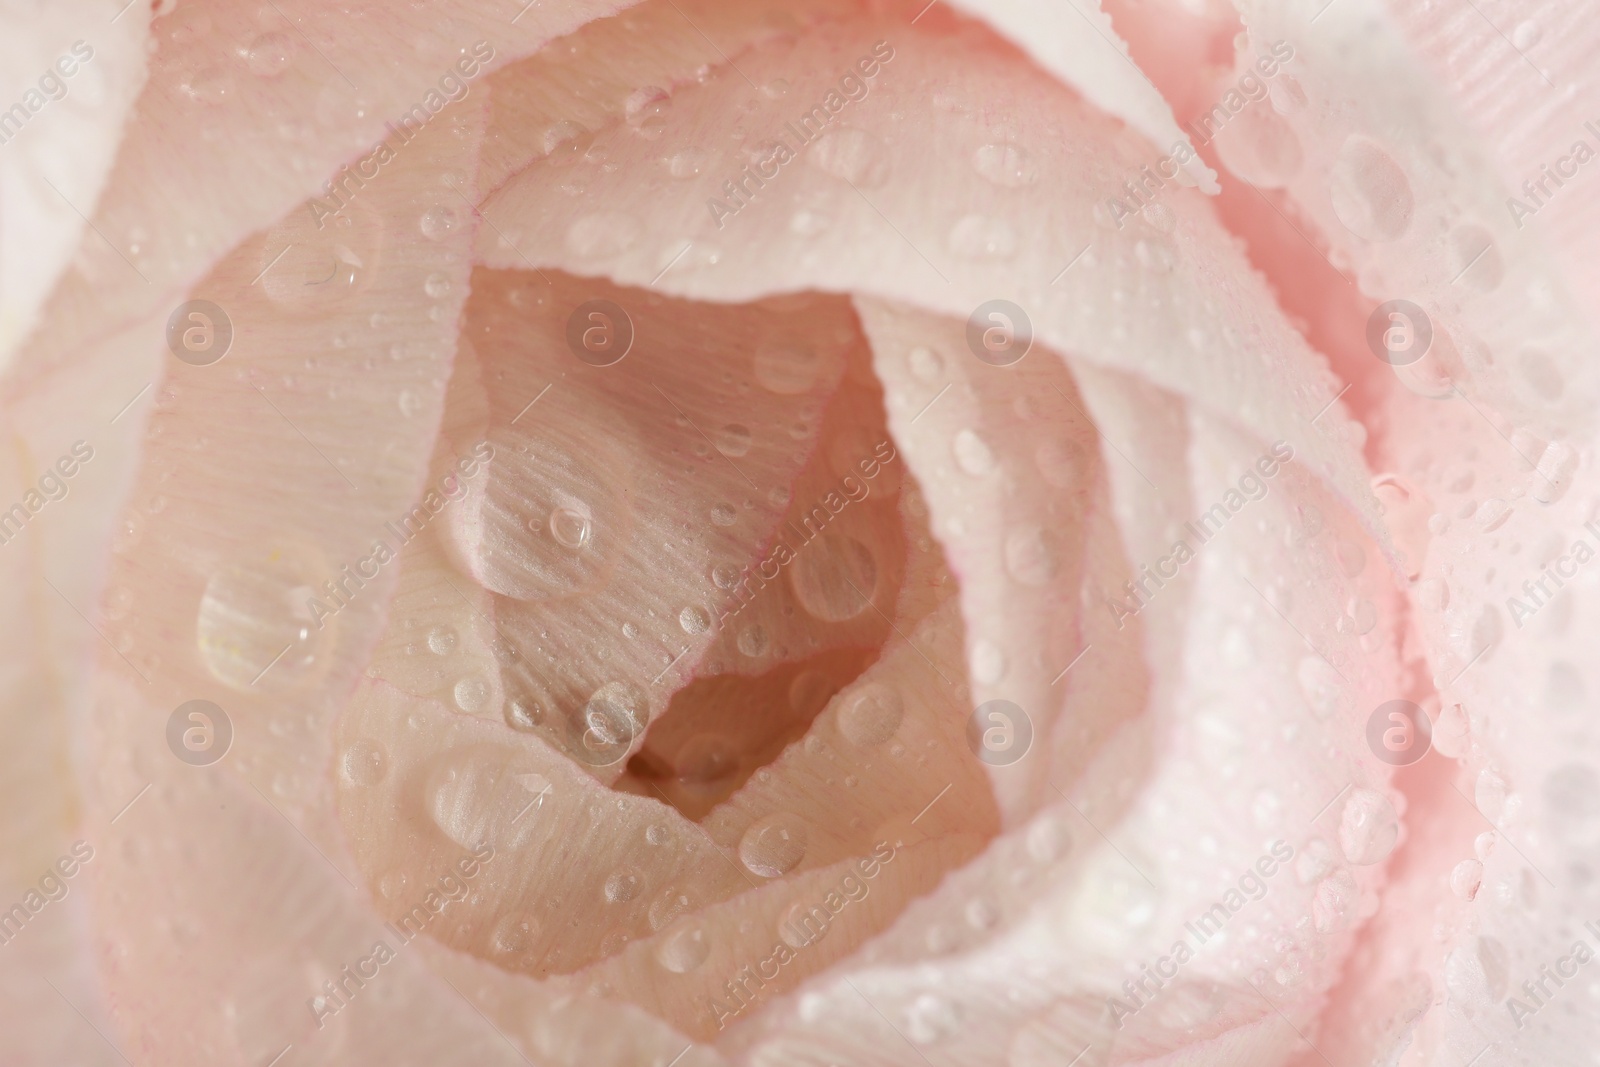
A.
x: 693, y: 533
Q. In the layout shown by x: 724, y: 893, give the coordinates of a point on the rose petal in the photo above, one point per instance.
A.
x: 77, y: 67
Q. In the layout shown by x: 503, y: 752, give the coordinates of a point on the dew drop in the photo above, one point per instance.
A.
x: 982, y: 237
x: 667, y: 907
x: 687, y: 163
x: 270, y: 54
x: 774, y: 846
x: 787, y: 368
x: 439, y: 222
x: 694, y: 620
x: 602, y: 234
x: 733, y: 440
x: 442, y: 640
x: 925, y: 363
x: 1368, y: 828
x: 1370, y: 193
x: 1450, y: 732
x: 988, y: 663
x: 1047, y: 840
x: 1525, y: 35
x: 852, y: 155
x: 1005, y: 164
x: 471, y: 693
x: 474, y: 795
x: 566, y: 142
x: 835, y: 578
x: 753, y: 640
x: 931, y: 1019
x: 723, y: 514
x: 515, y: 935
x: 570, y: 526
x: 365, y: 762
x: 646, y: 111
x: 1333, y: 902
x: 1466, y: 879
x: 1031, y: 555
x: 622, y: 886
x: 681, y: 951
x: 871, y: 715
x: 972, y: 453
x: 255, y: 630
x: 524, y: 713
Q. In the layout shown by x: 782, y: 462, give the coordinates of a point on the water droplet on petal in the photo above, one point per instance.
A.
x: 733, y: 440
x: 270, y: 54
x: 787, y: 368
x: 870, y: 715
x: 1466, y: 879
x: 1370, y: 193
x: 982, y: 237
x: 851, y: 154
x: 774, y: 846
x: 256, y: 629
x: 835, y: 578
x: 972, y: 453
x: 622, y: 886
x: 1369, y: 828
x: 931, y: 1018
x: 365, y: 762
x: 684, y: 949
x: 439, y: 222
x: 1005, y: 164
x: 925, y: 363
x: 1031, y: 555
x: 1334, y: 900
x: 602, y: 234
x: 694, y: 619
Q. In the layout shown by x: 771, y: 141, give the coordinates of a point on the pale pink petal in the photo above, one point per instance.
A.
x: 71, y: 72
x: 1075, y: 41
